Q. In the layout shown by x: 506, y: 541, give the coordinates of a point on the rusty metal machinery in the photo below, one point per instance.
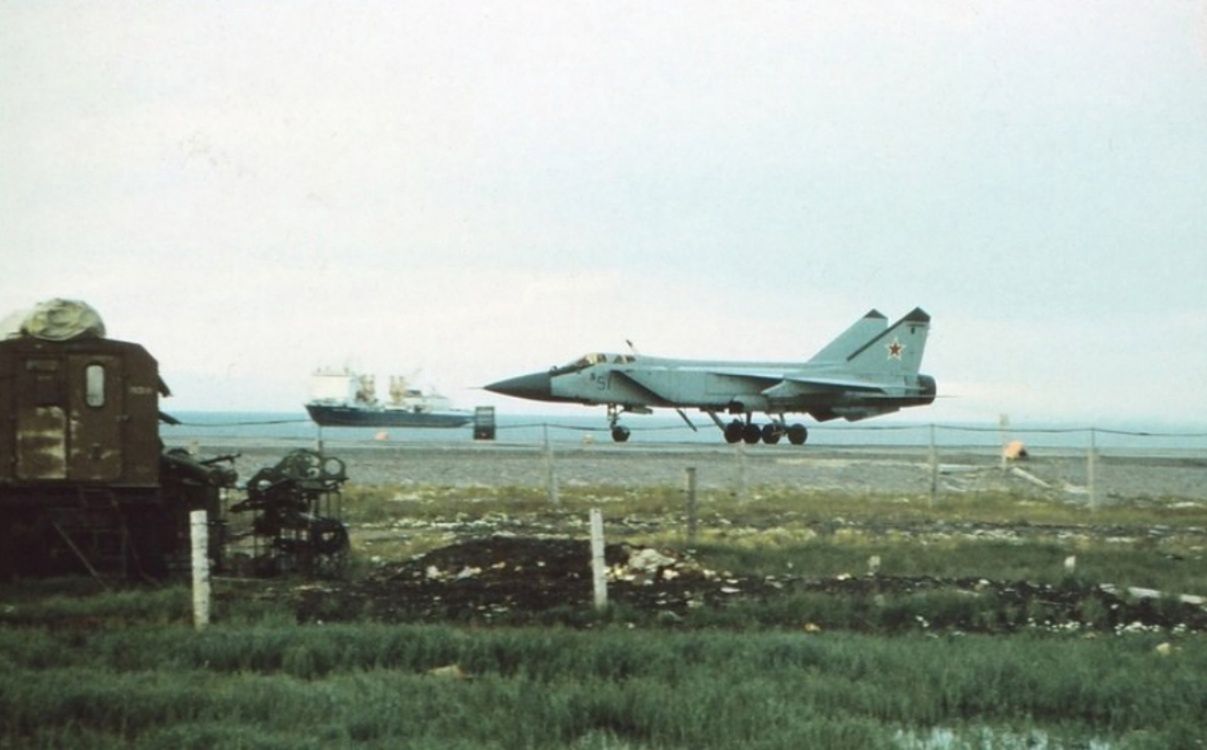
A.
x: 86, y: 487
x: 84, y: 484
x: 196, y: 484
x: 296, y: 512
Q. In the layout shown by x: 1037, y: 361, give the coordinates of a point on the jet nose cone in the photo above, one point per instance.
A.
x: 537, y: 385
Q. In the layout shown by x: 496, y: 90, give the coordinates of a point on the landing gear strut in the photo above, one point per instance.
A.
x: 620, y: 433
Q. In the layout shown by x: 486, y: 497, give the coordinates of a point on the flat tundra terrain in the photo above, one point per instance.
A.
x: 491, y: 532
x: 861, y: 597
x: 1048, y: 472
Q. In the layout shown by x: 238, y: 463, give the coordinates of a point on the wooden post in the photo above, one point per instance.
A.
x: 934, y: 468
x: 199, y: 526
x: 692, y: 508
x: 550, y: 475
x: 599, y: 571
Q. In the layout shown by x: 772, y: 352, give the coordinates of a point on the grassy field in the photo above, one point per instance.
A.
x: 80, y: 667
x: 777, y: 531
x: 125, y: 669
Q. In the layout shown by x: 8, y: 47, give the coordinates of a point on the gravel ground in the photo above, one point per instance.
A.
x: 1061, y: 473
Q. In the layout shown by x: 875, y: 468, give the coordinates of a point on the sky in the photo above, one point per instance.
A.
x: 469, y: 191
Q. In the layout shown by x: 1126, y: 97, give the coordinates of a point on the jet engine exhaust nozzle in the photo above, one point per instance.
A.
x: 929, y: 390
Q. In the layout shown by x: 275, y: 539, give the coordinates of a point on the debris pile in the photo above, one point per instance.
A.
x: 514, y: 580
x: 507, y: 578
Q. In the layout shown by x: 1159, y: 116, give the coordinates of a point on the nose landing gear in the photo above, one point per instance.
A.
x: 620, y: 433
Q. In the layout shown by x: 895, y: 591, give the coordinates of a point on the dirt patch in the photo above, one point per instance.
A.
x: 522, y: 580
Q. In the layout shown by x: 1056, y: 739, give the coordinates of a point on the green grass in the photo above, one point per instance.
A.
x: 780, y: 531
x: 762, y: 506
x: 278, y: 685
x: 1036, y: 561
x: 80, y: 667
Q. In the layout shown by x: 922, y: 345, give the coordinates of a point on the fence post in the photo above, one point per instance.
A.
x: 199, y: 527
x: 741, y: 450
x: 599, y: 572
x: 550, y: 475
x: 692, y: 508
x: 1091, y: 469
x: 1003, y: 422
x: 934, y: 468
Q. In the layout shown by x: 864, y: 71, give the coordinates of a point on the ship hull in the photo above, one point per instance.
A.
x: 328, y: 415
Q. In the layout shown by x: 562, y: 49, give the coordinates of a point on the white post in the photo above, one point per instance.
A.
x: 199, y: 526
x: 599, y: 572
x: 550, y: 475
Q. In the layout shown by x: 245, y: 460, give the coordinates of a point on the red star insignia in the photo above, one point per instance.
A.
x: 895, y: 349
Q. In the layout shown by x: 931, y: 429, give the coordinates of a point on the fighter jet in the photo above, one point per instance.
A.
x: 869, y: 369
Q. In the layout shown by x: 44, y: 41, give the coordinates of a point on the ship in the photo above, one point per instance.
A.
x: 343, y: 398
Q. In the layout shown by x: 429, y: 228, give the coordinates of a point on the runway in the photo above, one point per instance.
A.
x: 1160, y: 475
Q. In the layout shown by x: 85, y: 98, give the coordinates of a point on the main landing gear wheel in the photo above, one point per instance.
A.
x: 797, y: 434
x: 733, y: 431
x: 620, y: 434
x: 772, y: 433
x: 751, y: 433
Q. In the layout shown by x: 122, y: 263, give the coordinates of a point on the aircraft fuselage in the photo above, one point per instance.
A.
x: 870, y: 369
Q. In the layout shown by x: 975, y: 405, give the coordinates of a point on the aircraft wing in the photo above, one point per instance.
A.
x: 838, y: 384
x: 763, y: 378
x: 770, y: 378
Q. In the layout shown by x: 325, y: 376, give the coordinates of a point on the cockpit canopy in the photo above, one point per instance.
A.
x: 595, y: 358
x: 587, y: 360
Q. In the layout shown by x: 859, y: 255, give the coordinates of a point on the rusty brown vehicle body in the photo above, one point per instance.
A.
x: 84, y: 484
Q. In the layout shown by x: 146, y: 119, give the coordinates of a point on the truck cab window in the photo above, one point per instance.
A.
x: 94, y: 385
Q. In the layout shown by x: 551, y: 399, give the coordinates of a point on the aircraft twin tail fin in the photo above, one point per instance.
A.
x: 897, y: 350
x: 836, y: 352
